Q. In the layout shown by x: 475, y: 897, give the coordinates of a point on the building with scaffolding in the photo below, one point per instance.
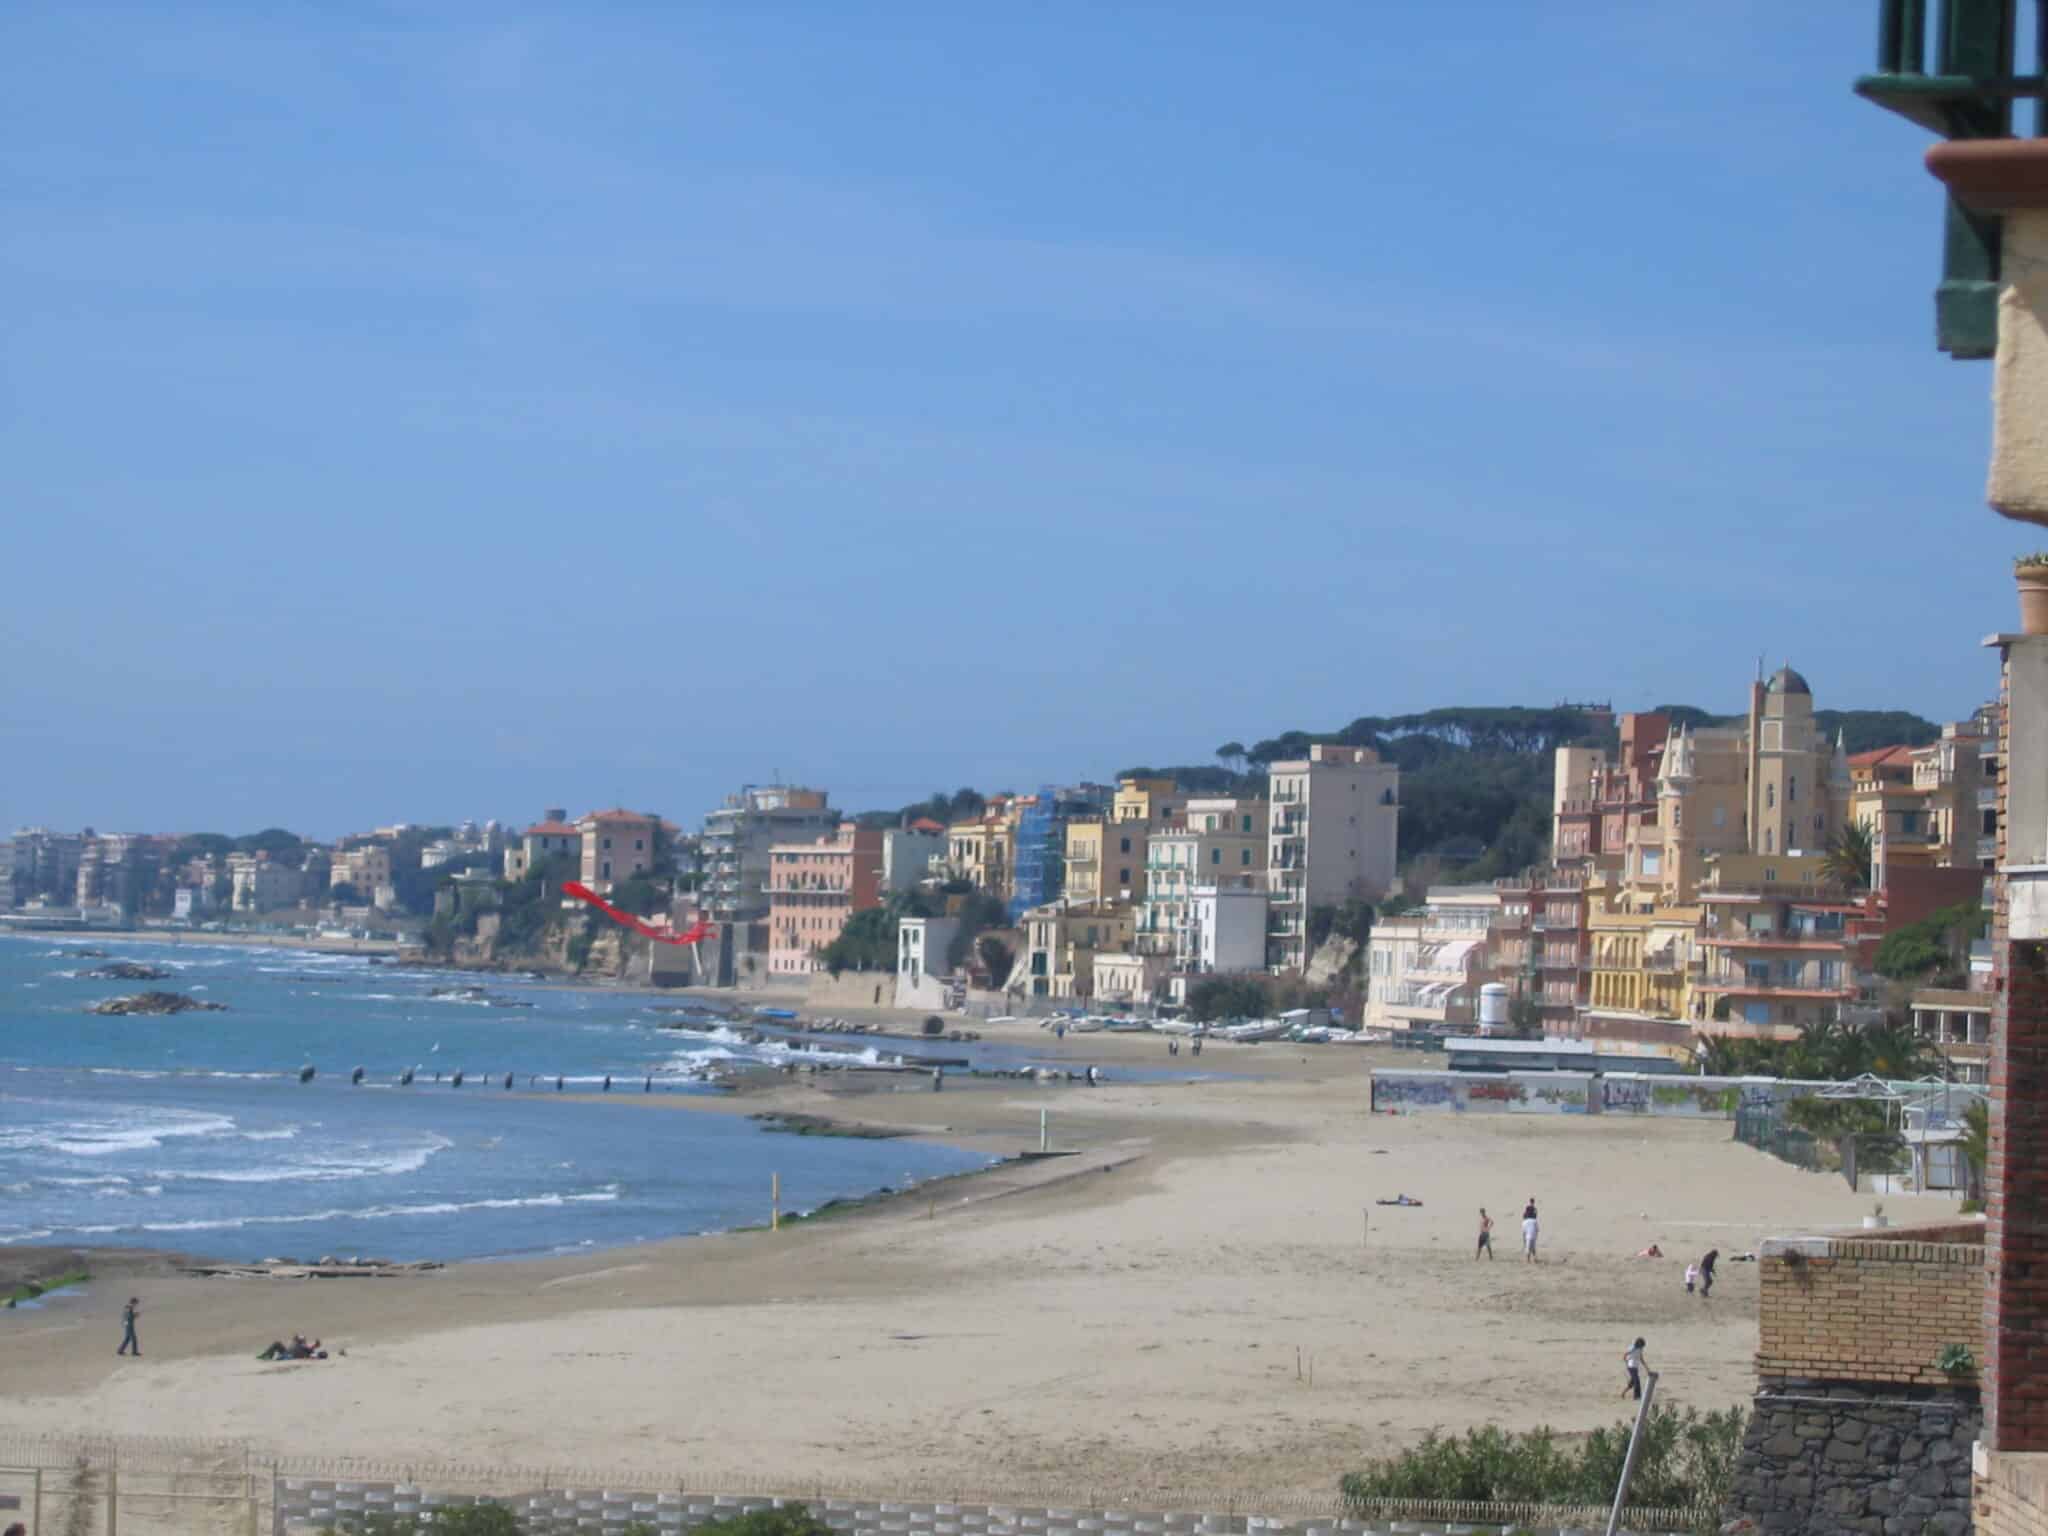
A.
x: 1039, y: 862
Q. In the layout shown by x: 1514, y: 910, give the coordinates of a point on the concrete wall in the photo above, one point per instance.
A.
x: 1487, y: 1093
x: 1659, y: 1095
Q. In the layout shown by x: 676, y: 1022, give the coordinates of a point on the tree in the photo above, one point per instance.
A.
x: 1847, y: 862
x: 345, y: 895
x: 1938, y: 943
x: 1232, y: 753
x: 996, y: 959
x: 643, y: 895
x: 271, y: 840
x: 1226, y: 997
x: 866, y: 943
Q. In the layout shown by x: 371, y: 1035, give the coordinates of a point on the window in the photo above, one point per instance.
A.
x: 1720, y: 815
x: 1244, y: 856
x: 1756, y: 1013
x: 1127, y: 846
x: 1770, y: 846
x: 1247, y: 822
x: 1215, y: 856
x: 638, y: 845
x: 1123, y: 877
x: 1791, y: 788
x: 1770, y: 796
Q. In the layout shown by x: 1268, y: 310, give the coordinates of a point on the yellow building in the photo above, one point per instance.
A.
x: 1149, y: 802
x: 1106, y: 860
x: 1061, y: 943
x: 984, y: 850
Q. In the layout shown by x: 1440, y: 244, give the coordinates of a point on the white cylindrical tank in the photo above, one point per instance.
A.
x: 1493, y: 1009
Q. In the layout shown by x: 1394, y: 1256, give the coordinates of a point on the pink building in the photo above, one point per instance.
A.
x: 813, y: 888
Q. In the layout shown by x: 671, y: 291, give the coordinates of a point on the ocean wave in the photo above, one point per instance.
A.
x: 607, y: 1194
x: 370, y: 997
x: 284, y: 1133
x: 23, y: 1235
x: 317, y: 1170
x: 110, y: 1138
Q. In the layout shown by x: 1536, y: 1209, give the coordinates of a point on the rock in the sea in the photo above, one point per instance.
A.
x: 129, y: 970
x: 157, y: 1002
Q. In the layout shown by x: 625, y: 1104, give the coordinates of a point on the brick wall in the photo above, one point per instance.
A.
x: 2015, y: 1376
x: 1865, y: 1310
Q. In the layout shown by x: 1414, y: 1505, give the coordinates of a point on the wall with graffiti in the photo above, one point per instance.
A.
x: 1400, y: 1091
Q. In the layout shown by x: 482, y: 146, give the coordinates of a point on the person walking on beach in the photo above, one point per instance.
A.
x: 1529, y: 1231
x: 1485, y: 1237
x: 1707, y: 1272
x: 1632, y: 1361
x: 1692, y: 1277
x: 129, y: 1343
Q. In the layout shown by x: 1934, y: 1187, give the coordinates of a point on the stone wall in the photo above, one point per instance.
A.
x: 1863, y: 1460
x: 1863, y: 1310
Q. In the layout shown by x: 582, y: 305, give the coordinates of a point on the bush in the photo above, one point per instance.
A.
x: 1686, y: 1461
x: 934, y: 1025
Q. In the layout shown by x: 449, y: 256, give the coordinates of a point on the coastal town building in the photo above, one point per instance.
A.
x: 261, y: 883
x: 1923, y: 805
x: 1213, y: 842
x: 1124, y: 981
x: 924, y: 972
x: 43, y: 863
x: 1061, y: 943
x: 553, y: 837
x: 1106, y: 859
x: 1223, y: 931
x: 1537, y: 946
x: 982, y: 850
x: 617, y: 845
x: 737, y: 840
x: 1957, y: 1023
x: 1333, y: 834
x: 1424, y: 971
x: 367, y: 870
x: 814, y: 888
x: 908, y: 854
x: 1148, y: 802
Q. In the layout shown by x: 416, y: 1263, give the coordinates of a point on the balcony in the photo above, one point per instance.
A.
x: 1561, y: 960
x: 1807, y: 983
x: 1987, y: 797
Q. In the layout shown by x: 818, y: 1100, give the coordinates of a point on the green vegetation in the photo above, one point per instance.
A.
x: 977, y: 911
x: 30, y: 1290
x: 1934, y: 951
x: 1251, y: 997
x: 996, y: 959
x: 1831, y: 1053
x: 1686, y: 1461
x: 1847, y: 861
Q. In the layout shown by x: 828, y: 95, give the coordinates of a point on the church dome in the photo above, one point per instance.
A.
x: 1785, y: 680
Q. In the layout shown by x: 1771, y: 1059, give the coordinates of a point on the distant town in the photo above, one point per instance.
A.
x: 1747, y: 879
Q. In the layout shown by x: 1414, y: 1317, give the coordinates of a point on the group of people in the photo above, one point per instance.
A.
x: 1531, y: 1229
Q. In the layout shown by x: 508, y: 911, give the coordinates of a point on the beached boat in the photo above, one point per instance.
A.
x: 1255, y: 1031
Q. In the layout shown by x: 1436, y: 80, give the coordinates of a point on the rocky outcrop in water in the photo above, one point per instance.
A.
x: 129, y: 970
x: 157, y: 1003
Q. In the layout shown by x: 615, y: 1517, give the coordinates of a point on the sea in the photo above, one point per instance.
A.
x: 195, y: 1132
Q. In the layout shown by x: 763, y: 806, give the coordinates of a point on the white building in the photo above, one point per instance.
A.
x: 907, y: 857
x: 1225, y: 930
x: 737, y: 839
x: 1218, y: 842
x: 1334, y: 834
x: 1425, y: 972
x: 921, y: 968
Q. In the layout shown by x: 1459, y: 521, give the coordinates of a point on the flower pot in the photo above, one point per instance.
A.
x: 1875, y: 1222
x: 2033, y: 584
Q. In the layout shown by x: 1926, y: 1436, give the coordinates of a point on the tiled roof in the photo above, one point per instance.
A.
x: 1883, y: 757
x: 551, y: 829
x: 618, y: 814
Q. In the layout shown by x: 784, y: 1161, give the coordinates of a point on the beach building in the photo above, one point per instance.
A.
x: 1332, y: 833
x: 45, y: 863
x: 1039, y: 864
x: 908, y: 854
x: 1957, y: 1023
x: 1424, y: 971
x: 617, y: 845
x: 1106, y: 859
x: 554, y: 836
x: 260, y: 883
x: 813, y: 888
x: 1060, y: 945
x: 1224, y: 931
x: 1124, y: 981
x: 737, y: 840
x: 924, y: 975
x: 1214, y: 843
x: 1922, y: 805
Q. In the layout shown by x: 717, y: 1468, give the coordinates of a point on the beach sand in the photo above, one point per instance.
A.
x: 1141, y: 1324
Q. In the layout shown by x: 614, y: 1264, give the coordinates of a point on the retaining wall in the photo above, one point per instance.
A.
x: 1865, y: 1460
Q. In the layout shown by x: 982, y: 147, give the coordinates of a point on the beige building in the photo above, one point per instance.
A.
x: 554, y: 836
x: 1148, y: 802
x: 1106, y: 860
x: 1061, y: 943
x: 616, y: 846
x: 260, y: 885
x: 368, y: 869
x: 1424, y: 972
x: 1333, y: 834
x: 1218, y: 842
x: 1921, y: 805
x: 1125, y: 980
x: 984, y: 851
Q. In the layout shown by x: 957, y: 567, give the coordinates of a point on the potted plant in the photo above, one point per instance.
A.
x: 2030, y: 572
x: 1876, y: 1218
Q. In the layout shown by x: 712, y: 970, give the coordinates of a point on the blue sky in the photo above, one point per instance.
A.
x: 428, y: 410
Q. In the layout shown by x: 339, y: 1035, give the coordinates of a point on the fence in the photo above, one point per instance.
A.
x: 132, y: 1487
x: 1760, y: 1126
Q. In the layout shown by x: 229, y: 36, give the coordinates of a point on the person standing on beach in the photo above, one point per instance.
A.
x: 1632, y: 1361
x: 129, y: 1344
x: 1529, y: 1231
x: 1707, y: 1272
x: 1485, y: 1236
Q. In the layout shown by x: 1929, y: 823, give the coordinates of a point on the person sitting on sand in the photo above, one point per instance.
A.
x: 1651, y: 1252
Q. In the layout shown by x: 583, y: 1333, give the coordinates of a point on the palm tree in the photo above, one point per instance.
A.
x: 1847, y: 862
x: 1893, y: 1051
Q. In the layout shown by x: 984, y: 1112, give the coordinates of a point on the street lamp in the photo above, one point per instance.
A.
x: 1969, y: 94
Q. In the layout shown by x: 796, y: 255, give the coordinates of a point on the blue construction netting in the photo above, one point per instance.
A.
x: 1039, y: 873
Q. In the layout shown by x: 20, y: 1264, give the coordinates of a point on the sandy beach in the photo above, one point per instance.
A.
x: 1140, y: 1320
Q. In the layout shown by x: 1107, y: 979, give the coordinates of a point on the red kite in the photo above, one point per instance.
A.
x: 695, y: 935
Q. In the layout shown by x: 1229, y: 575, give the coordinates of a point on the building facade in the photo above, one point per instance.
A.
x: 1333, y: 833
x: 813, y: 889
x: 1060, y: 945
x: 554, y: 836
x: 737, y: 840
x: 1424, y: 971
x: 1106, y: 860
x: 1214, y: 842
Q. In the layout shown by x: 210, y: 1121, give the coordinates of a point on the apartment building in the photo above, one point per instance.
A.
x: 44, y: 864
x: 1106, y: 860
x: 1957, y: 1023
x: 1061, y: 943
x: 813, y: 888
x: 1223, y: 931
x: 1780, y: 947
x: 739, y: 836
x: 554, y: 836
x: 1147, y: 802
x: 1923, y: 805
x: 983, y: 849
x: 1127, y: 980
x: 1333, y: 833
x: 261, y: 884
x: 1215, y: 842
x: 1424, y: 971
x: 617, y: 845
x: 368, y: 869
x: 1538, y: 948
x: 923, y: 969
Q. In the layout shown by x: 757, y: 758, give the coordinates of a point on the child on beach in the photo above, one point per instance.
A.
x: 1632, y: 1361
x: 1692, y: 1277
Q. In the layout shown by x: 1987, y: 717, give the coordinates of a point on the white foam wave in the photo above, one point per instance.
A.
x: 284, y: 1133
x: 319, y: 1170
x: 109, y: 1138
x: 607, y: 1194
